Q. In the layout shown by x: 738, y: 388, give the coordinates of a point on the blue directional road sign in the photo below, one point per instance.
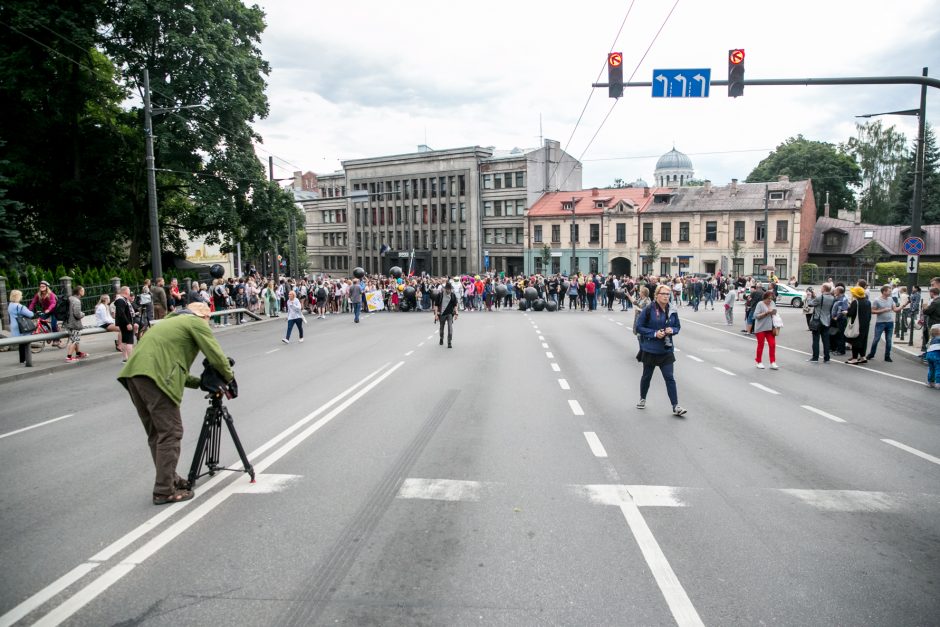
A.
x: 913, y: 245
x: 692, y: 83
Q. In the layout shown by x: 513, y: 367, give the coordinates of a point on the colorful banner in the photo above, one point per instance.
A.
x: 374, y: 300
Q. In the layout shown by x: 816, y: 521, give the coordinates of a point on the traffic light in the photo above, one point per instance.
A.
x: 615, y: 74
x: 736, y: 72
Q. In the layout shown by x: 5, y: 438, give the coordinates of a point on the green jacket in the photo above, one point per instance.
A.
x: 169, y: 348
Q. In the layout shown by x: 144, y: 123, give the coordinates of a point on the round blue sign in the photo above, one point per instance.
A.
x: 913, y: 246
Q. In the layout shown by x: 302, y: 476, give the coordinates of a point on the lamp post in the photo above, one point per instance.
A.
x: 918, y: 196
x: 574, y: 239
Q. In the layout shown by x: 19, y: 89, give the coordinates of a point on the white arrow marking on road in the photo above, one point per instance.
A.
x: 921, y: 454
x: 765, y: 388
x: 563, y: 383
x: 701, y: 80
x: 595, y: 444
x: 38, y: 424
x: 682, y: 79
x: 728, y: 372
x: 822, y: 413
x: 665, y: 82
x: 575, y: 407
x: 694, y: 358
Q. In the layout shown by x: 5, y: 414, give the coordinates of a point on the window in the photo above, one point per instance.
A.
x: 621, y: 232
x: 520, y: 207
x: 595, y: 234
x: 507, y: 179
x: 537, y: 234
x: 461, y: 189
x: 520, y: 236
x: 599, y: 204
x: 831, y: 239
x: 760, y: 231
x: 683, y: 265
x: 592, y: 264
x: 869, y: 234
x: 647, y: 266
x: 556, y: 265
x: 776, y: 195
x: 739, y: 230
x: 463, y: 212
x: 500, y: 239
x: 567, y: 205
x: 498, y: 208
x: 487, y: 236
x: 520, y: 179
x: 782, y: 228
x: 574, y: 233
x: 556, y: 233
x: 488, y: 208
x: 487, y: 181
x: 758, y: 268
x: 497, y: 181
x: 737, y: 267
x: 665, y: 232
x: 538, y: 265
x: 780, y: 267
x: 665, y: 266
x: 711, y: 231
x: 463, y: 244
x: 647, y: 231
x: 683, y: 231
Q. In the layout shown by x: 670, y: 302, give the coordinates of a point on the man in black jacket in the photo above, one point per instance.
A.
x: 124, y: 320
x: 445, y: 310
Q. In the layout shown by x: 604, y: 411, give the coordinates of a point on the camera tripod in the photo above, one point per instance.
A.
x: 210, y: 439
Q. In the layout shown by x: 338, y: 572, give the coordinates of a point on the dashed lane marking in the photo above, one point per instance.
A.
x: 822, y: 413
x: 38, y: 424
x: 595, y: 443
x: 544, y: 345
x: 694, y: 358
x: 420, y: 344
x: 408, y: 353
x: 555, y: 367
x: 575, y: 407
x: 764, y: 388
x: 549, y: 355
x: 541, y: 337
x: 913, y: 451
x: 727, y: 372
x: 563, y: 383
x: 272, y: 351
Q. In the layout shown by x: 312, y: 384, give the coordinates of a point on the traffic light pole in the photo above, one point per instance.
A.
x: 925, y: 81
x: 918, y: 199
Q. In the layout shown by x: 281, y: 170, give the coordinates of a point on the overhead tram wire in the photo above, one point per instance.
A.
x: 635, y: 70
x: 691, y: 154
x: 591, y: 93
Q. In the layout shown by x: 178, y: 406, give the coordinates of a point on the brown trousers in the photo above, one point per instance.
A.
x: 164, y: 426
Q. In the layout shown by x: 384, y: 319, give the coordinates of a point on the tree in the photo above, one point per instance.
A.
x: 870, y: 254
x: 546, y: 258
x: 735, y: 250
x: 10, y: 244
x: 619, y: 183
x: 831, y: 170
x: 904, y: 194
x: 652, y: 250
x: 880, y: 153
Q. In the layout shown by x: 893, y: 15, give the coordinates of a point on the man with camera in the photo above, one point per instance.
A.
x: 155, y: 376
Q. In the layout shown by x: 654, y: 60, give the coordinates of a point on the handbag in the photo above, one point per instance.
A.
x: 814, y: 322
x: 851, y: 329
x: 26, y: 325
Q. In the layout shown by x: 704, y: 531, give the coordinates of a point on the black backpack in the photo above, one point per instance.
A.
x: 61, y: 310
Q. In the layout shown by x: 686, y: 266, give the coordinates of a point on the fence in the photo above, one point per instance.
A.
x: 811, y: 275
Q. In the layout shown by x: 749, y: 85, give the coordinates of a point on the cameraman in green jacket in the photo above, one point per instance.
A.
x: 155, y: 376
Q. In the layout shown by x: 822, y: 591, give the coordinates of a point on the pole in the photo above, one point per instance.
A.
x: 766, y: 227
x: 574, y: 240
x: 274, y: 261
x: 156, y: 266
x: 293, y: 243
x: 238, y: 258
x: 918, y: 186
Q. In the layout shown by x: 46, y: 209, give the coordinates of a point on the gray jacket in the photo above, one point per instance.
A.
x: 74, y: 321
x: 823, y: 308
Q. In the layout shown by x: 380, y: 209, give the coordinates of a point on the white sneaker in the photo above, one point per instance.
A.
x: 301, y: 340
x: 641, y: 404
x: 679, y: 411
x: 773, y: 366
x: 760, y: 366
x: 285, y: 340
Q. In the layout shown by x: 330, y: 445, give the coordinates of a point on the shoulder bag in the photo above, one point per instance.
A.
x: 851, y: 329
x: 814, y: 322
x: 26, y: 325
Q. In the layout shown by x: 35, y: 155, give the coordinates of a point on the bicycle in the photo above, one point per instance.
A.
x: 42, y: 326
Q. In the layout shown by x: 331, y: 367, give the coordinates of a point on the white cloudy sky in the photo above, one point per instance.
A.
x: 365, y: 78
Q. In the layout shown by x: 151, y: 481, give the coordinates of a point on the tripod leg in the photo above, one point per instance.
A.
x: 238, y: 444
x: 200, y: 448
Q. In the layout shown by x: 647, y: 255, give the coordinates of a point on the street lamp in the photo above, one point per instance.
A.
x: 917, y: 204
x: 571, y: 234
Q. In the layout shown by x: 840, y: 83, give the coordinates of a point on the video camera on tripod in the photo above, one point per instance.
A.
x: 210, y: 438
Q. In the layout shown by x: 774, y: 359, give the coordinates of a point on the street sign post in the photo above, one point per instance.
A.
x: 912, y: 261
x: 913, y: 246
x: 688, y: 83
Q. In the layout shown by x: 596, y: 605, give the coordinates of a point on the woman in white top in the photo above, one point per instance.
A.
x: 105, y: 320
x: 295, y: 317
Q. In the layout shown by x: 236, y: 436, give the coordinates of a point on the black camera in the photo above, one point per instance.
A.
x: 213, y: 382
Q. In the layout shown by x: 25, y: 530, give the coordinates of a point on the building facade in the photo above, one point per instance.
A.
x: 326, y: 224
x: 673, y: 169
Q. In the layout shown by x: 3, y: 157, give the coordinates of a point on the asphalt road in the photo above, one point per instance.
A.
x: 507, y: 481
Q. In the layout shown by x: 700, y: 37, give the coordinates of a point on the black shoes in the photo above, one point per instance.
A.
x: 441, y: 343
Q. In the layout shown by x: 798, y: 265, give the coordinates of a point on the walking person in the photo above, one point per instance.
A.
x: 158, y: 293
x: 858, y: 323
x: 355, y: 299
x: 730, y: 299
x: 839, y: 321
x: 933, y: 357
x: 18, y: 311
x: 124, y: 319
x: 145, y: 307
x: 295, y: 317
x: 884, y: 307
x: 656, y: 327
x: 764, y: 329
x: 641, y: 302
x: 73, y: 324
x: 820, y: 321
x: 445, y: 312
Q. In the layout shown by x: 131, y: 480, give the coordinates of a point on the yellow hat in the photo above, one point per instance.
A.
x: 858, y: 292
x: 200, y: 309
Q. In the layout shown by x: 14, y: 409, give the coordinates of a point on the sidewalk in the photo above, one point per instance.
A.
x: 99, y: 347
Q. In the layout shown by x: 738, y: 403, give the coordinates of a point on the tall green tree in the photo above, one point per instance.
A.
x: 904, y: 183
x: 880, y: 153
x: 10, y: 242
x: 830, y: 169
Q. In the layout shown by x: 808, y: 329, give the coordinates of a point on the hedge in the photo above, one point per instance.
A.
x: 30, y: 277
x: 808, y: 273
x: 886, y: 271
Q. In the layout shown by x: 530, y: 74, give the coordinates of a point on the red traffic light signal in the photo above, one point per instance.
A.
x: 615, y: 74
x: 736, y: 72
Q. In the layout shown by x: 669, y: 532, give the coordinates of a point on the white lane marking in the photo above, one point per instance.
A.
x: 535, y: 328
x: 265, y: 484
x: 845, y: 500
x: 914, y: 451
x: 794, y: 350
x: 541, y: 337
x: 38, y: 424
x: 272, y: 351
x: 556, y: 368
x: 111, y: 576
x: 619, y: 324
x: 728, y: 372
x: 544, y: 344
x: 678, y: 601
x: 408, y: 353
x: 420, y: 344
x: 595, y: 443
x: 640, y: 495
x: 440, y: 490
x: 575, y: 407
x: 431, y: 336
x: 822, y: 413
x: 764, y: 388
x: 549, y: 355
x: 564, y: 384
x: 46, y: 593
x: 694, y: 358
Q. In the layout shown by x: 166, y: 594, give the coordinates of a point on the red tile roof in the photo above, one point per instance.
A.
x: 551, y: 204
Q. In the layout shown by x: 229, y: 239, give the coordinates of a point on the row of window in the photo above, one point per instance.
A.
x: 333, y: 239
x: 394, y: 216
x: 504, y: 180
x: 711, y: 231
x: 431, y: 187
x: 504, y: 236
x: 333, y: 192
x: 574, y: 233
x: 405, y: 240
x: 666, y: 266
x: 554, y: 265
x: 333, y: 216
x: 335, y: 262
x: 443, y: 266
x: 499, y: 208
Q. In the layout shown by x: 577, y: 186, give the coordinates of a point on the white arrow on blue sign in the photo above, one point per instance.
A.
x: 689, y: 83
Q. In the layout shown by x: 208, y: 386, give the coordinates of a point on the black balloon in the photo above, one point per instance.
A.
x: 216, y: 271
x: 551, y: 305
x: 538, y: 304
x: 618, y: 293
x: 410, y: 292
x: 359, y: 273
x: 531, y: 293
x: 523, y: 304
x: 395, y: 272
x: 501, y: 291
x: 566, y: 286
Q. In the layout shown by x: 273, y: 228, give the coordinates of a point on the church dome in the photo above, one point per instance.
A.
x: 674, y: 160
